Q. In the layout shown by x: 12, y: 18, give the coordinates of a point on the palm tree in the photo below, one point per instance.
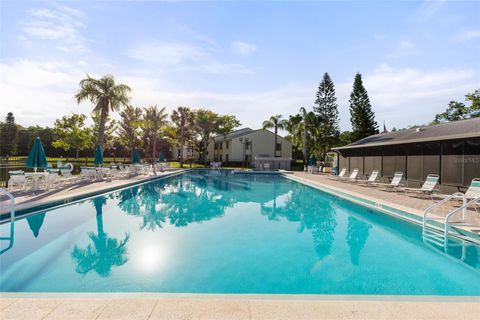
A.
x: 106, y: 95
x: 154, y: 120
x: 184, y: 119
x: 275, y: 122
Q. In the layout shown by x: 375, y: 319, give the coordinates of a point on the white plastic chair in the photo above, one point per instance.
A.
x: 17, y: 178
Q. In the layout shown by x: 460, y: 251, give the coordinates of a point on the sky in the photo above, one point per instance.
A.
x: 251, y: 59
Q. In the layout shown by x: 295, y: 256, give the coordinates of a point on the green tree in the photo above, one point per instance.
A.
x: 459, y: 111
x: 326, y: 109
x: 362, y: 115
x: 70, y: 133
x: 106, y: 95
x: 154, y: 120
x: 130, y: 127
x: 345, y: 138
x: 111, y: 127
x: 8, y: 135
x: 209, y: 124
x: 276, y: 122
x: 184, y: 120
x: 302, y: 131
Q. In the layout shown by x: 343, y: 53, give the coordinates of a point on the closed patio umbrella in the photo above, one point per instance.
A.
x: 162, y: 157
x: 313, y: 160
x: 136, y: 157
x: 98, y: 156
x: 36, y: 157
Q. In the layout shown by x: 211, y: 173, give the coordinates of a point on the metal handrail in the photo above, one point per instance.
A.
x: 433, y: 206
x: 12, y: 202
x: 464, y: 207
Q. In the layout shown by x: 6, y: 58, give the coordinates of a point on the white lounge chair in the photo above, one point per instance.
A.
x: 67, y: 176
x: 353, y: 176
x: 473, y: 191
x: 371, y: 179
x: 395, y: 183
x: 53, y: 180
x: 340, y: 175
x: 17, y: 179
x: 427, y: 188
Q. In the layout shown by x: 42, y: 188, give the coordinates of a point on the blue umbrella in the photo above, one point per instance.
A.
x: 36, y: 157
x: 313, y: 160
x: 162, y: 157
x: 136, y: 157
x: 98, y: 155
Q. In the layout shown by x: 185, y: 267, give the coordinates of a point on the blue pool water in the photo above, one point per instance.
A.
x: 206, y: 233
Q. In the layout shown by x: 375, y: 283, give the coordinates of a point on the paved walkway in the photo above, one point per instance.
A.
x: 29, y: 199
x: 412, y: 204
x: 236, y: 308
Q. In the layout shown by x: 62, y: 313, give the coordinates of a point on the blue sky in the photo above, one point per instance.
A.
x: 252, y: 59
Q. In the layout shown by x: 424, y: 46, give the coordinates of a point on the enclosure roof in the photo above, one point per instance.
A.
x: 462, y: 129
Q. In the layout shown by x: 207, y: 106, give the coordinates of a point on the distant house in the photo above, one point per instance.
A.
x: 451, y: 150
x: 246, y: 144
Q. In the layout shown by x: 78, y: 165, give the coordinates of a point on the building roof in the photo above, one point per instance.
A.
x: 239, y: 133
x: 445, y: 131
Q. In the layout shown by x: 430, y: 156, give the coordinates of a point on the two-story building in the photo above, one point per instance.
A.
x: 246, y: 144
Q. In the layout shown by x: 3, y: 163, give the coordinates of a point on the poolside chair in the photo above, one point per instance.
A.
x: 353, y: 176
x: 17, y: 178
x: 88, y: 173
x: 427, y: 187
x: 53, y: 180
x: 395, y: 183
x: 340, y: 175
x: 67, y: 176
x: 371, y: 179
x: 472, y: 192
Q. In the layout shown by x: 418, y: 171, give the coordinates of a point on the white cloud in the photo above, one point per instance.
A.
x: 185, y: 56
x: 243, y: 48
x: 410, y: 96
x: 468, y: 35
x: 61, y: 25
x: 38, y: 92
x: 405, y: 44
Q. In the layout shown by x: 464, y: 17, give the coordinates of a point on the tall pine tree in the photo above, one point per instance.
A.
x: 8, y: 136
x: 362, y: 115
x: 326, y: 110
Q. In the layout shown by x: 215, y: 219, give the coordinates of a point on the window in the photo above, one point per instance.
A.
x: 279, y: 147
x: 226, y: 157
x: 247, y: 145
x: 226, y: 145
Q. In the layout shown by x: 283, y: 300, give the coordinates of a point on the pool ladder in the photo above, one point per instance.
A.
x: 437, y: 235
x: 12, y: 220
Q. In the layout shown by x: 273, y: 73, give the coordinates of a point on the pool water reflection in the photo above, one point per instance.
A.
x: 208, y: 233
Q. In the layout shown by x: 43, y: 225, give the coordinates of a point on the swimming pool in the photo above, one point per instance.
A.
x: 208, y: 232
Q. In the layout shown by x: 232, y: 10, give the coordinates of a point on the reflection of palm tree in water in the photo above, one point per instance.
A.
x: 357, y: 235
x: 180, y: 202
x: 105, y: 252
x: 303, y: 206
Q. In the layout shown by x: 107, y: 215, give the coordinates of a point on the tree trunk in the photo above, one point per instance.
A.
x: 275, y: 147
x: 101, y: 126
x: 182, y: 143
x: 305, y: 145
x: 205, y: 153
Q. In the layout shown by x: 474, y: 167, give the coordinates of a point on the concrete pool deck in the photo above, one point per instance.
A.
x: 266, y: 307
x: 134, y: 306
